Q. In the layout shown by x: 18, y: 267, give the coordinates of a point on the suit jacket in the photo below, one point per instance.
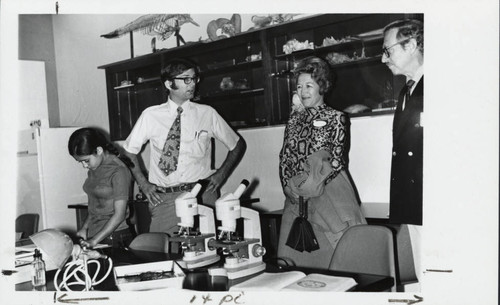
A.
x: 407, y: 159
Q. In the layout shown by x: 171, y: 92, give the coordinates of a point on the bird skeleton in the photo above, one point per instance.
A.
x: 161, y: 25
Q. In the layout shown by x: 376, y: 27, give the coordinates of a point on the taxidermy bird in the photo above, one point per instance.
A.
x: 160, y: 25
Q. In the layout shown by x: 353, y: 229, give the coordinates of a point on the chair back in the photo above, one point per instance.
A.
x: 405, y: 261
x: 27, y: 224
x: 366, y: 249
x: 152, y: 241
x: 140, y: 217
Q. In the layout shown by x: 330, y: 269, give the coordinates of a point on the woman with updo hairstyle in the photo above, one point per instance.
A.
x: 107, y: 187
x: 313, y: 170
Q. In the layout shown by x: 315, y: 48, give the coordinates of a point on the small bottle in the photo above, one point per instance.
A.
x: 38, y: 272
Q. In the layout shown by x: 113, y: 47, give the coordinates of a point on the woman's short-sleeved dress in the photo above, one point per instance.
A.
x: 109, y: 182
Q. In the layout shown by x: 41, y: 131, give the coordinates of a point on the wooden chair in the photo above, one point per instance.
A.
x: 27, y: 224
x: 366, y: 249
x: 152, y: 241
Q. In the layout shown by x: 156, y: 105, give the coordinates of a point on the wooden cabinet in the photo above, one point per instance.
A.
x: 247, y: 78
x: 352, y: 45
x: 132, y: 86
x: 232, y: 82
x: 232, y: 79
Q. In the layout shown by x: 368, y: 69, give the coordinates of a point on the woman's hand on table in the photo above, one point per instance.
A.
x: 82, y: 233
x: 91, y: 243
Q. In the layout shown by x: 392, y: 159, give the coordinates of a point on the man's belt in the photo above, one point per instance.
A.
x: 185, y: 187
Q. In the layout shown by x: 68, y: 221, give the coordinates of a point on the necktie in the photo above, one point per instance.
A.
x: 170, y: 153
x: 409, y: 84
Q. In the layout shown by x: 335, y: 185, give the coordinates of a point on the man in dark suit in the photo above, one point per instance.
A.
x: 403, y: 53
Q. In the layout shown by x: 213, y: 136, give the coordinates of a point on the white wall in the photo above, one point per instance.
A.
x: 48, y: 179
x: 259, y: 166
x: 61, y: 179
x: 32, y: 94
x: 370, y: 157
x: 32, y: 106
x: 36, y: 43
x: 369, y: 164
x: 27, y: 179
x: 79, y: 51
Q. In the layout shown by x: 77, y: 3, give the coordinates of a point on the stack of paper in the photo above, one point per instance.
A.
x: 24, y: 254
x: 24, y: 258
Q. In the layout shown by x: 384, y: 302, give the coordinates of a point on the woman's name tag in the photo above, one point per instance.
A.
x: 319, y: 123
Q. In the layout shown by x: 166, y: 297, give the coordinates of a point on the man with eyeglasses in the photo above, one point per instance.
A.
x: 175, y: 167
x: 403, y: 53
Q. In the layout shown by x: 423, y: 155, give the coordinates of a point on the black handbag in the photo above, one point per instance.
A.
x: 301, y: 236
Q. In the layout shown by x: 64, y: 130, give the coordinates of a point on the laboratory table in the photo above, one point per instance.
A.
x: 200, y: 280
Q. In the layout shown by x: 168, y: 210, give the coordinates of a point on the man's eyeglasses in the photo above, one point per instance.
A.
x: 188, y: 80
x: 385, y: 50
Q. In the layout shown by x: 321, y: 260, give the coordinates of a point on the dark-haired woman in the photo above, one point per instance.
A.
x: 107, y: 187
x: 313, y: 170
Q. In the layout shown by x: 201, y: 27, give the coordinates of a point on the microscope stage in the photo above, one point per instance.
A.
x: 191, y: 239
x: 234, y: 245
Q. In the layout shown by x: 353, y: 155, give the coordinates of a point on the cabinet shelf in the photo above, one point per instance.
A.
x: 375, y: 112
x: 140, y: 81
x: 360, y: 62
x: 348, y: 46
x: 123, y: 87
x: 223, y: 95
x: 347, y: 64
x: 233, y: 67
x: 143, y: 81
x: 243, y: 124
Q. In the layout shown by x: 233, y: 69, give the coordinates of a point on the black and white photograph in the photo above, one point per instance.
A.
x: 212, y: 153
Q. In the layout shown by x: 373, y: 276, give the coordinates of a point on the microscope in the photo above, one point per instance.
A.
x: 194, y: 242
x: 243, y: 255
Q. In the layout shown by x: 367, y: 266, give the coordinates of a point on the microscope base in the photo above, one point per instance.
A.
x: 197, y: 263
x: 239, y: 272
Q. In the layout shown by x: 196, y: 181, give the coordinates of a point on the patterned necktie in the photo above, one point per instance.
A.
x: 409, y: 85
x: 170, y: 153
